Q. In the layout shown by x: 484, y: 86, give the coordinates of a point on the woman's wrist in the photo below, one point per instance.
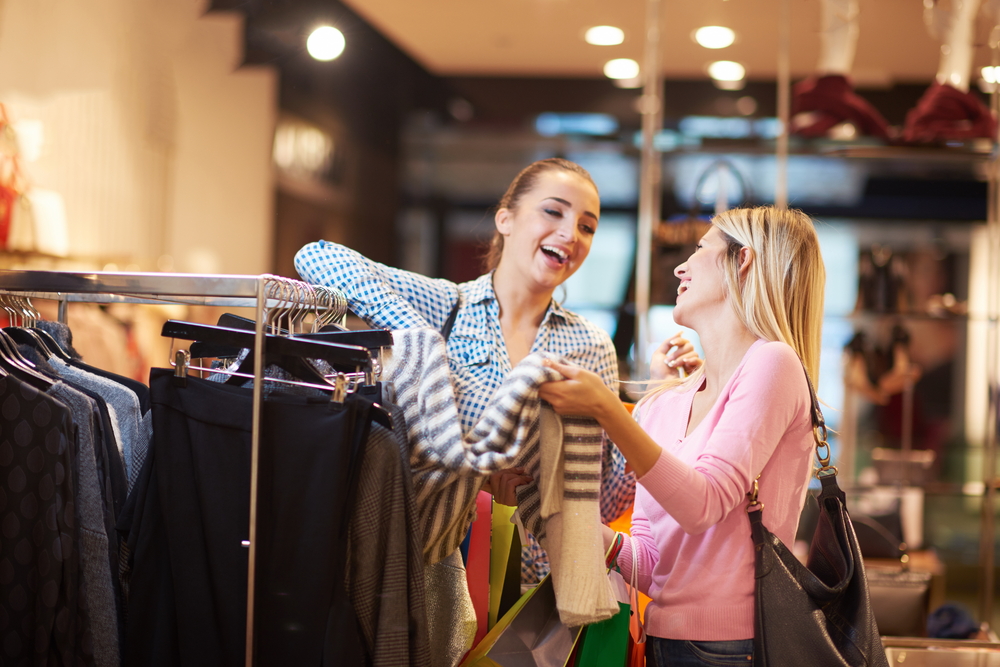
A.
x: 611, y: 557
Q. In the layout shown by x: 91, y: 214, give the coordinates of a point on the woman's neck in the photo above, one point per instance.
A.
x: 521, y: 313
x: 725, y: 344
x: 518, y: 303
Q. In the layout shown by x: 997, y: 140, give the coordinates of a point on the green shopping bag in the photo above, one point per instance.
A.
x: 605, y: 644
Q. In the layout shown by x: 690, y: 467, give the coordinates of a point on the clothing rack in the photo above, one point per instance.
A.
x: 176, y: 288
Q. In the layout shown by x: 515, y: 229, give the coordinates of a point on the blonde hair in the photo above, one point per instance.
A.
x: 780, y: 295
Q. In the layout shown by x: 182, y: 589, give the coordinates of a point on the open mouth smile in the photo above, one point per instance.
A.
x: 559, y: 255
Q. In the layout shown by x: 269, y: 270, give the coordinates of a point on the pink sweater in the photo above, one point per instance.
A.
x: 695, y: 556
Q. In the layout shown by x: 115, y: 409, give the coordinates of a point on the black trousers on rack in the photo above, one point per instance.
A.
x: 188, y: 519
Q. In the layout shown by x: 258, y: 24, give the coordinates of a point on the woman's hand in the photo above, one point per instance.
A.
x: 582, y: 393
x: 673, y: 356
x: 503, y: 485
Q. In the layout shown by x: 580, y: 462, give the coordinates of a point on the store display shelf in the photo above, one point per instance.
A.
x: 977, y: 150
x: 871, y: 315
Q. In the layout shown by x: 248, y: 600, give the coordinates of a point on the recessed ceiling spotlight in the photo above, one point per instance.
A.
x: 325, y: 43
x: 714, y: 36
x: 621, y: 68
x: 726, y: 70
x: 604, y: 35
x: 634, y: 82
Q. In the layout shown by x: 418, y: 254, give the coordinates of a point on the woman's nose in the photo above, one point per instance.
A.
x: 567, y: 229
x: 681, y: 270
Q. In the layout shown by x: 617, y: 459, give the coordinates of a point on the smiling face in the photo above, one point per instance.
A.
x: 702, y: 292
x: 547, y: 235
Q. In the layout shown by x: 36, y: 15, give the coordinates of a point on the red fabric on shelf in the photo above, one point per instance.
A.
x: 946, y: 113
x: 832, y: 100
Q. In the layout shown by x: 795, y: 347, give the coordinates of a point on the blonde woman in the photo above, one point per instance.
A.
x: 753, y: 290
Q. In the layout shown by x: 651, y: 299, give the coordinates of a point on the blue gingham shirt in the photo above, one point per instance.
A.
x: 477, y: 354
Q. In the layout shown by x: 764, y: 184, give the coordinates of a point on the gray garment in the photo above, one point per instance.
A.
x: 95, y: 570
x: 451, y: 618
x: 123, y: 405
x: 385, y: 565
x: 62, y: 335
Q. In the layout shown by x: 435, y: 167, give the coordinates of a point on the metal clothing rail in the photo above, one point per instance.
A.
x: 185, y: 288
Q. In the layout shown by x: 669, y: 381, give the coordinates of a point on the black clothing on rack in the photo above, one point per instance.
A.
x: 40, y: 597
x: 190, y: 518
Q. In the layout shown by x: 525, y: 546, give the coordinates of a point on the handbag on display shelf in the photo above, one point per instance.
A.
x: 818, y: 614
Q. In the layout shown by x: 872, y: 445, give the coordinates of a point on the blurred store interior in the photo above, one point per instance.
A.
x: 201, y: 136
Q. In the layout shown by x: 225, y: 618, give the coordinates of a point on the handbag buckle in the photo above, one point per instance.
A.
x: 754, y: 504
x: 826, y: 471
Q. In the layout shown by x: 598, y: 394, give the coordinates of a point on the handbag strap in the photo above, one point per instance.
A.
x: 452, y: 316
x: 633, y: 585
x: 826, y: 473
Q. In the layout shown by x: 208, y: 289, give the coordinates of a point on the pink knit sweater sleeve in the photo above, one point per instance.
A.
x: 734, y: 441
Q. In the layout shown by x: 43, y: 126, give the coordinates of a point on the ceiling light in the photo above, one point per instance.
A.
x: 634, y: 82
x: 714, y: 36
x: 621, y: 68
x: 604, y: 35
x: 726, y: 70
x: 325, y: 43
x: 991, y: 74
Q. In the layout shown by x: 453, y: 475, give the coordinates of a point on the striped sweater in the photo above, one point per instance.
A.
x: 560, y: 506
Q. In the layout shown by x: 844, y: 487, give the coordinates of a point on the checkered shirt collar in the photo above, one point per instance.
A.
x: 480, y: 290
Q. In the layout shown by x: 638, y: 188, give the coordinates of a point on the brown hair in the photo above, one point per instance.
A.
x: 521, y: 184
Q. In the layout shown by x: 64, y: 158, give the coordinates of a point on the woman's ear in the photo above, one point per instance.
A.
x: 503, y: 221
x: 746, y: 259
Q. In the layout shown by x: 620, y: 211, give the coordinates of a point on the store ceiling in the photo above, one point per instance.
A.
x: 544, y: 38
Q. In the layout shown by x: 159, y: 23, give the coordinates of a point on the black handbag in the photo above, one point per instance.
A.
x: 818, y: 614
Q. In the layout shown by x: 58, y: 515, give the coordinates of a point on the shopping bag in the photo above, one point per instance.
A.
x: 636, y: 654
x: 478, y: 565
x: 502, y: 550
x: 529, y: 635
x: 605, y: 644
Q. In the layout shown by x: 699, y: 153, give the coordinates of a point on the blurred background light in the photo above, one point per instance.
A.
x: 325, y: 43
x: 714, y: 36
x: 604, y: 35
x: 621, y: 68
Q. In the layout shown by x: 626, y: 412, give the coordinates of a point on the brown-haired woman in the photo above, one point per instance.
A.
x: 545, y: 224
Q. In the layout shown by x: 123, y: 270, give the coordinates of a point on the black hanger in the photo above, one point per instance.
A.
x: 286, y: 352
x: 351, y: 356
x: 52, y: 344
x: 20, y: 367
x: 298, y: 367
x: 368, y: 338
x: 29, y: 337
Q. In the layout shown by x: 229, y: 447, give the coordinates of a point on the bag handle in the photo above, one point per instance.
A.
x: 820, y: 434
x: 633, y: 593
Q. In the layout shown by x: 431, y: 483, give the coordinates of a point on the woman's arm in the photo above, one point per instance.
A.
x: 381, y: 295
x: 617, y: 482
x: 769, y: 394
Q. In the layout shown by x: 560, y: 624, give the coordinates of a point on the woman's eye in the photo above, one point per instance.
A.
x: 554, y: 212
x: 587, y: 229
